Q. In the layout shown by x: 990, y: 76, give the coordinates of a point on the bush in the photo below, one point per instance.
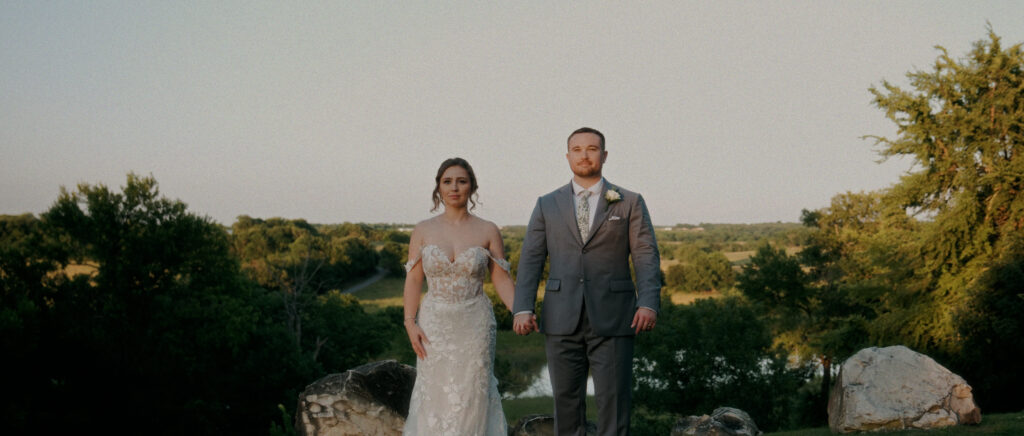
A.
x: 714, y: 353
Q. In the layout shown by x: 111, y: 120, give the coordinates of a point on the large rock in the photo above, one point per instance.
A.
x: 897, y: 388
x: 372, y: 399
x: 724, y: 421
x: 541, y: 425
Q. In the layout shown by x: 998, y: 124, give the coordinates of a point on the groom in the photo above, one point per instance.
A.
x: 589, y: 229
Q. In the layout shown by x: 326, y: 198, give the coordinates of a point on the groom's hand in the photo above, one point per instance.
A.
x: 644, y: 320
x: 524, y: 323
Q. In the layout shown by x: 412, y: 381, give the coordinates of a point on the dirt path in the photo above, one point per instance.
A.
x: 381, y: 273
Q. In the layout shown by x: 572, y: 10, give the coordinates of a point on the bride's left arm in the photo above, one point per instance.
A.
x: 500, y: 273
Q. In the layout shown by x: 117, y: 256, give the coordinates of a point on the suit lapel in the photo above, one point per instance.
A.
x: 601, y: 214
x: 568, y: 209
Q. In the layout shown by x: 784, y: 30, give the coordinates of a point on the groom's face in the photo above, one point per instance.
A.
x: 586, y: 156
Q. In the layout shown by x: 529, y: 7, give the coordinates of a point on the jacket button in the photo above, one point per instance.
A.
x: 581, y: 279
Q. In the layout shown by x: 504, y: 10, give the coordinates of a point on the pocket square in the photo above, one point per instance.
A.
x: 614, y: 218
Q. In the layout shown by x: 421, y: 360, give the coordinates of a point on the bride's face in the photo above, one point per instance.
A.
x: 455, y: 187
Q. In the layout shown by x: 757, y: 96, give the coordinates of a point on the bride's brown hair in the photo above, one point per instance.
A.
x: 448, y: 163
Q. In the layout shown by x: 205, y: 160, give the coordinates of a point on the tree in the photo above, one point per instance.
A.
x: 28, y: 270
x: 711, y: 353
x: 157, y: 326
x: 275, y: 251
x: 775, y: 279
x: 814, y: 313
x: 392, y: 255
x: 345, y: 336
x: 991, y: 326
x: 699, y: 270
x: 299, y: 263
x: 963, y: 127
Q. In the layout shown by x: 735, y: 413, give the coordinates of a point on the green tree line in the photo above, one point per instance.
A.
x: 122, y: 310
x: 934, y: 262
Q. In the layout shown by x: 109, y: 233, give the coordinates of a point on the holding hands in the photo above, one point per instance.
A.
x: 524, y: 323
x: 643, y: 321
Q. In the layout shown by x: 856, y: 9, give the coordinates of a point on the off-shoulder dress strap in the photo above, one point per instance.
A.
x: 502, y: 263
x: 412, y: 262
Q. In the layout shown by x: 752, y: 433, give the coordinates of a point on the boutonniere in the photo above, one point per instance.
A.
x: 612, y: 195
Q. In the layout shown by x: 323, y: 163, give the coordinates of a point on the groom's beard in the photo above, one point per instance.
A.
x: 592, y: 171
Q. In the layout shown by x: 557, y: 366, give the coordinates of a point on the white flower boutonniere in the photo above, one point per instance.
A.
x: 612, y: 195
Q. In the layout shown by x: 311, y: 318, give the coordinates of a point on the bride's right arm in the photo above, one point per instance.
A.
x: 411, y: 294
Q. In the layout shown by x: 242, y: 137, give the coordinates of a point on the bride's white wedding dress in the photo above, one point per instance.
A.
x: 456, y: 392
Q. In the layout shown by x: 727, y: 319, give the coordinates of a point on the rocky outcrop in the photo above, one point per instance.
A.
x: 897, y: 388
x: 541, y: 425
x: 724, y: 421
x: 372, y: 399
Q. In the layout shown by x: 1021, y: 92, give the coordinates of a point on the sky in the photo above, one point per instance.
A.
x: 342, y: 111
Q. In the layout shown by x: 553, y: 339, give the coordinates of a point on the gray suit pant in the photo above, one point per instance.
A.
x: 610, y: 361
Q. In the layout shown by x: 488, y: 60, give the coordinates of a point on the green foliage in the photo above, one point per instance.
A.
x: 28, y: 261
x: 775, y: 280
x: 991, y: 326
x: 157, y: 330
x: 962, y: 125
x: 861, y: 250
x: 731, y: 237
x: 288, y: 254
x: 646, y: 423
x: 714, y: 352
x: 161, y: 324
x: 392, y: 256
x: 518, y: 360
x: 699, y: 270
x: 803, y: 299
x: 342, y: 336
x: 1000, y: 424
x: 502, y: 316
x: 301, y: 263
x: 872, y: 273
x: 517, y: 408
x: 512, y: 237
x: 282, y: 430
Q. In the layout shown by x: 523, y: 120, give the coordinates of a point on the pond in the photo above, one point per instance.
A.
x: 541, y: 386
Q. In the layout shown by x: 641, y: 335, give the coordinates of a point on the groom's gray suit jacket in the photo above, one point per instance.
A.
x: 594, y: 273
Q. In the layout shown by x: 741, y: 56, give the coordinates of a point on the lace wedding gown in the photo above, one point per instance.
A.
x: 456, y: 392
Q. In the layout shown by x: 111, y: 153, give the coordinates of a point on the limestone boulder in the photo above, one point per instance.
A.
x: 541, y: 425
x: 724, y: 421
x: 371, y: 400
x: 897, y: 388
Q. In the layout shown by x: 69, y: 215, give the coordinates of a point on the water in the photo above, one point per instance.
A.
x: 541, y: 386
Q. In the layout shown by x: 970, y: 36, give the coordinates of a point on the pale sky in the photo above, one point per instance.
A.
x: 716, y: 111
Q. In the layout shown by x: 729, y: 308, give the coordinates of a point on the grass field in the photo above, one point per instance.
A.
x: 383, y: 293
x: 740, y: 258
x: 529, y: 348
x: 1003, y: 424
x: 518, y: 408
x: 690, y: 297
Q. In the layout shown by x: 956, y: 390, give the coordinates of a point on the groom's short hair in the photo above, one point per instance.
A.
x: 586, y: 130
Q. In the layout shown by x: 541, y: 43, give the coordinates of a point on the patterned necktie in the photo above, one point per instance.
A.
x: 583, y: 214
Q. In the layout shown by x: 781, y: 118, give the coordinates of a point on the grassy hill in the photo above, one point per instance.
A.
x: 1002, y: 424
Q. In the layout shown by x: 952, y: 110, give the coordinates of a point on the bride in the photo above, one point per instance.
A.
x: 453, y: 330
